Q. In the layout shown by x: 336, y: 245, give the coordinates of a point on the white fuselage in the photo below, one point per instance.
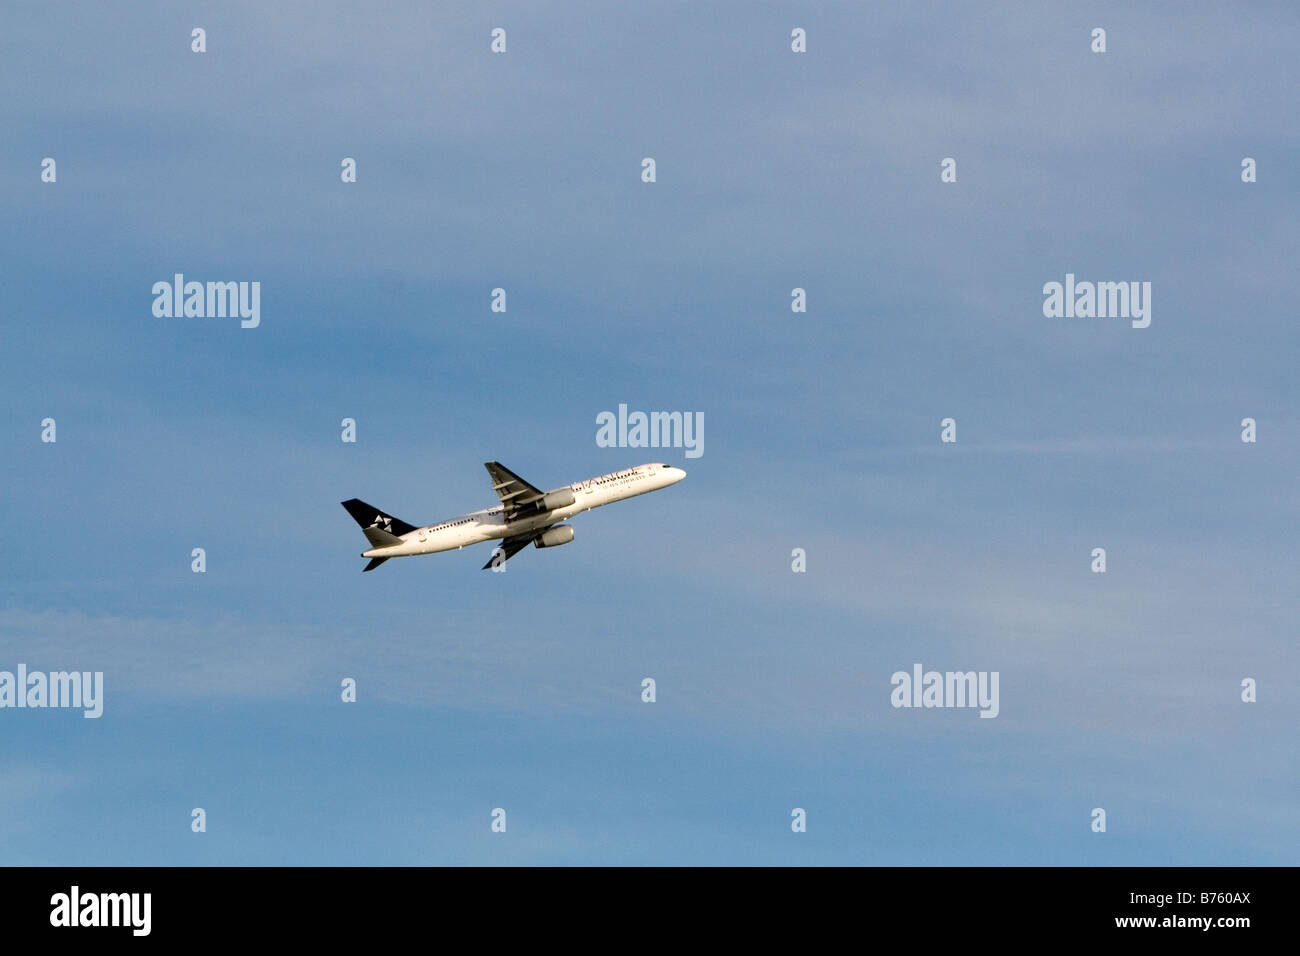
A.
x: 490, y: 523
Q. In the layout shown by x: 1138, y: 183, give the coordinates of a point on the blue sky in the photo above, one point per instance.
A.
x: 522, y: 690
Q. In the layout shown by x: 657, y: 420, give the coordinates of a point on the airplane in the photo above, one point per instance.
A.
x: 526, y: 515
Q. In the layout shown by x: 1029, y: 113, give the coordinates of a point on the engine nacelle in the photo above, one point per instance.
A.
x: 559, y: 498
x: 554, y: 537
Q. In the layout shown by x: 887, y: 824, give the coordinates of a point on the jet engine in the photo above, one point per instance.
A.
x: 559, y: 498
x: 554, y: 537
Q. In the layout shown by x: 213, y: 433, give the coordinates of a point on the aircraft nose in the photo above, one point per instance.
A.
x: 677, y: 474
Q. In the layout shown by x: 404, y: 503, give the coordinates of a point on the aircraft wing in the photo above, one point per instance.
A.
x: 515, y: 493
x: 512, y: 546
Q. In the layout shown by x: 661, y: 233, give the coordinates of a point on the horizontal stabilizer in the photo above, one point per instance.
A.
x: 380, y: 538
x: 374, y: 563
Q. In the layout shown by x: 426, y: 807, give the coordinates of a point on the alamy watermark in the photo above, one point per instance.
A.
x: 82, y: 689
x: 1101, y: 300
x: 651, y: 430
x: 75, y: 908
x: 947, y: 689
x: 211, y: 300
